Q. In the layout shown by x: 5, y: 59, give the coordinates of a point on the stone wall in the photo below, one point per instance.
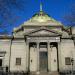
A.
x: 18, y: 50
x: 5, y: 51
x: 67, y: 50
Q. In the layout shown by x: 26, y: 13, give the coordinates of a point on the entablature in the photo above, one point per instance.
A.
x: 43, y: 39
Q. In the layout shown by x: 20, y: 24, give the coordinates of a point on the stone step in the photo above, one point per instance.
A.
x: 45, y: 73
x: 54, y: 73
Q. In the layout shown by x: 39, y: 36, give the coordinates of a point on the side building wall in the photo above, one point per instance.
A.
x: 18, y: 56
x: 5, y: 52
x: 67, y: 53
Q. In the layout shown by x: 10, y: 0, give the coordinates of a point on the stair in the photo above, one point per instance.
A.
x: 45, y: 73
x: 54, y: 73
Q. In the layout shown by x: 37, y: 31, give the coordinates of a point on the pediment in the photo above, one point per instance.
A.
x: 43, y: 32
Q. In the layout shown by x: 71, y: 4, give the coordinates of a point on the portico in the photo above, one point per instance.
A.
x: 43, y: 52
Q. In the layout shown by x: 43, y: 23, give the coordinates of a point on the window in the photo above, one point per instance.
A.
x: 0, y: 62
x: 67, y: 61
x: 18, y: 61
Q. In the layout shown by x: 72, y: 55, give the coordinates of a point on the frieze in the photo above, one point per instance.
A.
x: 43, y: 39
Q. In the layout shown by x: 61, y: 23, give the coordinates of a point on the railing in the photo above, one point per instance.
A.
x: 67, y: 73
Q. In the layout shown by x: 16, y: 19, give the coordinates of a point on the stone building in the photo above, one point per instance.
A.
x: 40, y: 44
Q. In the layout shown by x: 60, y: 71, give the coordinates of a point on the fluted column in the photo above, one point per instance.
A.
x: 37, y: 56
x: 49, y: 57
x: 59, y: 57
x: 27, y: 57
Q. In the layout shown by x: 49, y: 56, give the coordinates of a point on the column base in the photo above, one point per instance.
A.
x: 37, y: 72
x: 49, y: 72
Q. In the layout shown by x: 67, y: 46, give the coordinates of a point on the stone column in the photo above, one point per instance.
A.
x: 37, y: 57
x: 49, y: 57
x: 27, y: 57
x: 59, y: 56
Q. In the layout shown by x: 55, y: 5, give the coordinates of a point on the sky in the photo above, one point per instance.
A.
x: 57, y: 9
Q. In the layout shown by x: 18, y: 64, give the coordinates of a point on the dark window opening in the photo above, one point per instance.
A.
x: 32, y: 44
x: 0, y: 62
x: 67, y: 61
x: 54, y: 44
x: 43, y: 45
x: 18, y: 61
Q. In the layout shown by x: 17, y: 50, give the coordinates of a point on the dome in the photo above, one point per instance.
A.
x: 41, y: 17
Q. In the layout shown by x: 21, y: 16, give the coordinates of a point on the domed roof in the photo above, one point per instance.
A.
x: 41, y: 17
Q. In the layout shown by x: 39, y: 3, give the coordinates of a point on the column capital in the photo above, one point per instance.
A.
x: 49, y: 56
x: 37, y: 42
x: 48, y: 42
x: 27, y: 42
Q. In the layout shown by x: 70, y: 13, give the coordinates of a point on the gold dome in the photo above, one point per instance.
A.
x: 41, y: 17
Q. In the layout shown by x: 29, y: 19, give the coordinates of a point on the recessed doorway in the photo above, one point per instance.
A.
x: 43, y: 57
x: 43, y: 61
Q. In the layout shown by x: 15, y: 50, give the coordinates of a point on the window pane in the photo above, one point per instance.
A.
x: 68, y: 61
x: 18, y: 61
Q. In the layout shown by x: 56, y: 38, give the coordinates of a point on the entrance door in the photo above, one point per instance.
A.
x: 43, y: 61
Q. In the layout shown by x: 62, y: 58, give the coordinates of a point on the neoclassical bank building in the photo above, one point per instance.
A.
x: 40, y: 44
